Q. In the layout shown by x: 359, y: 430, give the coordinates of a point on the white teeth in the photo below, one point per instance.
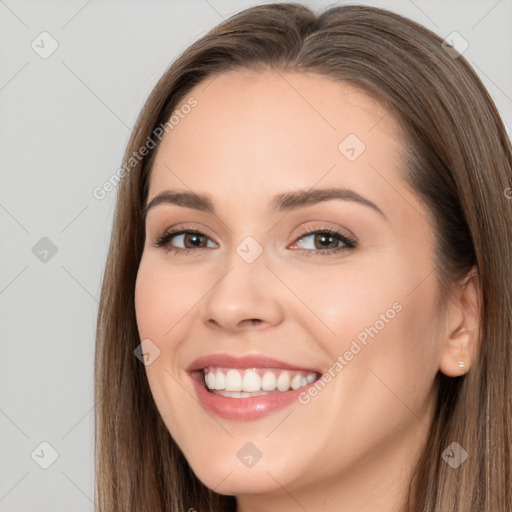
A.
x: 233, y: 381
x: 296, y: 382
x: 256, y: 381
x: 220, y: 380
x: 268, y: 381
x: 240, y: 394
x: 283, y: 381
x: 210, y: 380
x: 251, y: 381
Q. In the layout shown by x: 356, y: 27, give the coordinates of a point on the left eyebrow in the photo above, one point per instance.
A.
x: 300, y: 198
x: 280, y: 203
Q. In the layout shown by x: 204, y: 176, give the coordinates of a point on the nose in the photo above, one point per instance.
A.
x: 245, y: 296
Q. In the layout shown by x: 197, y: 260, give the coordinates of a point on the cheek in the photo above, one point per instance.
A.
x: 356, y: 302
x: 162, y: 299
x: 381, y: 336
x: 161, y: 303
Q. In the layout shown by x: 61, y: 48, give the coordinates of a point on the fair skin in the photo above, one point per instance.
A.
x: 352, y: 447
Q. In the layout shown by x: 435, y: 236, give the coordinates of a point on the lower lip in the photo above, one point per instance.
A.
x: 243, y: 409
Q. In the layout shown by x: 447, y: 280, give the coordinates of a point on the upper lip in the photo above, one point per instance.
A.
x: 243, y: 362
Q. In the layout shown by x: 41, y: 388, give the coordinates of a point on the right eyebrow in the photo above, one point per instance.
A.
x: 185, y: 199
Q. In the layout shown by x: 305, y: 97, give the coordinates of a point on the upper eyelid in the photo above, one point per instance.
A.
x: 305, y: 231
x: 203, y: 229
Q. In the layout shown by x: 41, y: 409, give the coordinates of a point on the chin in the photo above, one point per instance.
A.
x: 229, y: 476
x: 239, y: 482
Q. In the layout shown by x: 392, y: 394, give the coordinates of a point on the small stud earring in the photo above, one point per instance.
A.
x: 461, y: 365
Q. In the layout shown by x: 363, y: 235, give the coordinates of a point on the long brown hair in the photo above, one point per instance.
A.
x: 459, y: 163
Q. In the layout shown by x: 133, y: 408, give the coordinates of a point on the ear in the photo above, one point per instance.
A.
x: 462, y: 333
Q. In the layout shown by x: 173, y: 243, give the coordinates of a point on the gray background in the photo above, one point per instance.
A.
x: 65, y: 121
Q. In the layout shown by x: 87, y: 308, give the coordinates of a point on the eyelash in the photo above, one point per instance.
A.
x: 350, y: 244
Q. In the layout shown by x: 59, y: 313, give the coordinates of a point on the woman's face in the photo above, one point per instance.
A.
x: 262, y: 279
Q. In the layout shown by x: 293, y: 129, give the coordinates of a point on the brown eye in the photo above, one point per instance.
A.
x: 190, y: 239
x: 327, y: 241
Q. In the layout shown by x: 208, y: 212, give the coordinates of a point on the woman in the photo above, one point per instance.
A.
x: 307, y: 298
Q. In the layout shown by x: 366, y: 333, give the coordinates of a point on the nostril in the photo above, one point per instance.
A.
x: 251, y: 322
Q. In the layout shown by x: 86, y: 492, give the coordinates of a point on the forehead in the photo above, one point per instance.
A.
x: 260, y: 131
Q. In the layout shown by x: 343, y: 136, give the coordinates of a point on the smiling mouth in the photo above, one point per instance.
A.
x: 245, y: 383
